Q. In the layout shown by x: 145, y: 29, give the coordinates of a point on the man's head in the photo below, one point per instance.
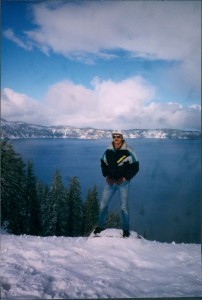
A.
x: 117, y: 137
x: 117, y: 133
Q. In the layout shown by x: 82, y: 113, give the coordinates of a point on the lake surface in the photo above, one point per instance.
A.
x: 164, y: 195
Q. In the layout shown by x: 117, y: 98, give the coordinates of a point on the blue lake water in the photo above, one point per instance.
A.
x: 164, y: 195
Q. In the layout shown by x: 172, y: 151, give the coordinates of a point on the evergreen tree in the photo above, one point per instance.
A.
x: 75, y: 221
x: 60, y: 195
x: 32, y: 204
x: 13, y: 182
x: 41, y: 199
x: 46, y: 211
x: 43, y: 193
x: 51, y: 218
x: 91, y: 211
x: 113, y: 221
x: 57, y: 207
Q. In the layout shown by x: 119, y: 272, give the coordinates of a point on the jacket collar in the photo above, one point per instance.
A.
x: 123, y: 147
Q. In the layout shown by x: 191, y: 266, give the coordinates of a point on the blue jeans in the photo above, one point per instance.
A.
x: 108, y: 192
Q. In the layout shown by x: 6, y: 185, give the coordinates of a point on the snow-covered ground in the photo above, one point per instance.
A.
x: 101, y: 267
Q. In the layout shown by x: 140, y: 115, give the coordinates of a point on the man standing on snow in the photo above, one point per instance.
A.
x: 119, y: 165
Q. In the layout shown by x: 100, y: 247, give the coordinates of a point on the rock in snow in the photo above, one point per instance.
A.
x: 106, y: 267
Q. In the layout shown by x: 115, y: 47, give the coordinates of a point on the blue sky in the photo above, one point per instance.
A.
x: 102, y: 64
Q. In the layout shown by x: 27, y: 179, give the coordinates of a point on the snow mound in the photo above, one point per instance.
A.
x: 115, y: 233
x: 86, y: 268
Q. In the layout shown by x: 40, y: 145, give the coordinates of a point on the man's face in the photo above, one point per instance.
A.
x: 117, y: 139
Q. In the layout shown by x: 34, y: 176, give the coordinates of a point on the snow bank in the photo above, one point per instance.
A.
x: 103, y: 267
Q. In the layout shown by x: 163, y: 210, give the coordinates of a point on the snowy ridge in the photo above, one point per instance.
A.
x: 75, y: 268
x: 114, y: 233
x: 22, y: 130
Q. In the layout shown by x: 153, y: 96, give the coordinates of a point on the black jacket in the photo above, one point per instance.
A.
x: 119, y: 163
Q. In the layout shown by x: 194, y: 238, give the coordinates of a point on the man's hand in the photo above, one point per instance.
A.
x: 109, y: 180
x: 119, y: 181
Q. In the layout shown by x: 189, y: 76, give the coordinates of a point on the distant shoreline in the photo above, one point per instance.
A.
x: 22, y: 130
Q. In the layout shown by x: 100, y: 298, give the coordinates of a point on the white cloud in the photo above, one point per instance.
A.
x: 157, y: 29
x: 153, y: 29
x: 103, y: 106
x: 20, y: 107
x: 84, y: 30
x: 9, y: 34
x: 127, y: 104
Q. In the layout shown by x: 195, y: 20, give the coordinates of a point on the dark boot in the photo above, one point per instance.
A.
x: 126, y: 233
x: 98, y: 230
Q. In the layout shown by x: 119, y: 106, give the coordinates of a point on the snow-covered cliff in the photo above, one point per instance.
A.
x: 22, y: 130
